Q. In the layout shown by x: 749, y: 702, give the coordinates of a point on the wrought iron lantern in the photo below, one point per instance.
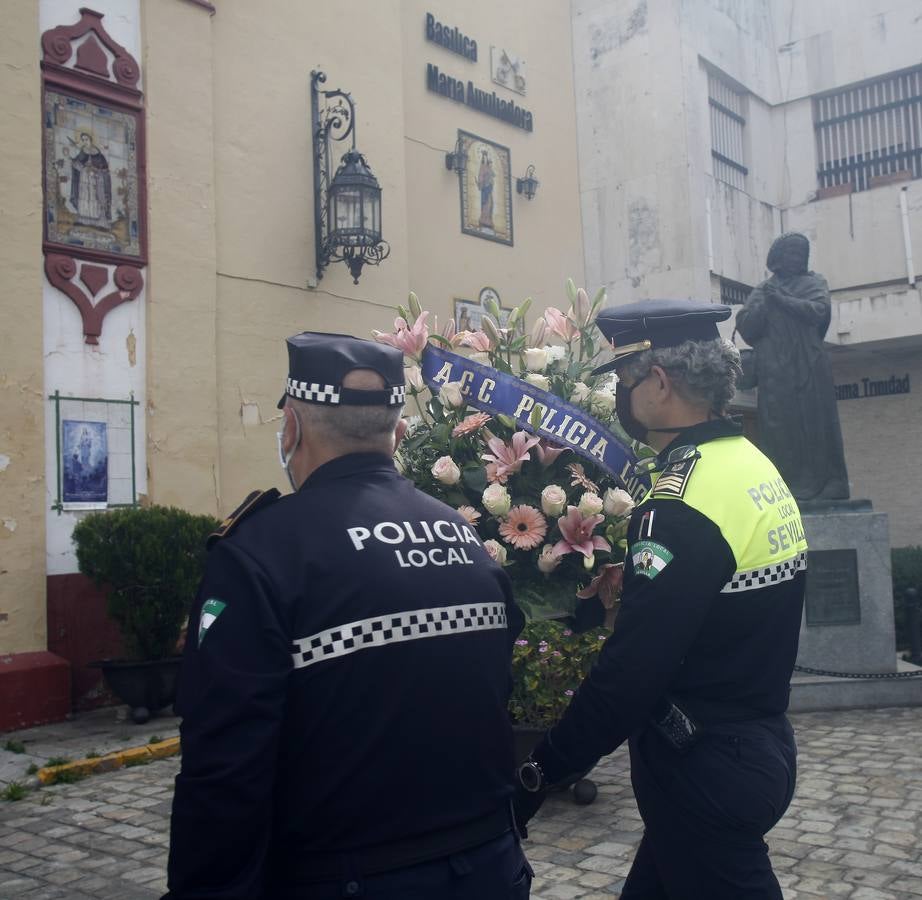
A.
x: 528, y: 184
x: 347, y: 209
x: 454, y: 159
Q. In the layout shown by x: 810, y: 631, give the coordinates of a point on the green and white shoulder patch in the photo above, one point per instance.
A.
x: 650, y: 558
x: 211, y: 609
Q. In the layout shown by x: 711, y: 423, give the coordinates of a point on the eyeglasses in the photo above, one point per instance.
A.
x: 657, y: 464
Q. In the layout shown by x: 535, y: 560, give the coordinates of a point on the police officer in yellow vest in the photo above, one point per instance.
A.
x: 696, y: 672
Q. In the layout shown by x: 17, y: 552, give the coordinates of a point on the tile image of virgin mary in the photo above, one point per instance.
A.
x: 90, y: 184
x: 486, y: 176
x: 85, y: 457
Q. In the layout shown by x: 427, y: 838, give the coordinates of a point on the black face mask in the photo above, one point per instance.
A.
x: 632, y: 426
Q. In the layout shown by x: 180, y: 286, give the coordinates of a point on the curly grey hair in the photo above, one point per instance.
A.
x: 704, y: 372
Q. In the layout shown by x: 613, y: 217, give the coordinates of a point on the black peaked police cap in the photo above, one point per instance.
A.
x: 651, y: 324
x: 318, y: 363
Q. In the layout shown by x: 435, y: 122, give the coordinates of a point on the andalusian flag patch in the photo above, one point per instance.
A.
x: 650, y: 558
x: 210, y: 611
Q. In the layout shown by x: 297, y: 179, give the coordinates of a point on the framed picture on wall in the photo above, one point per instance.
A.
x: 469, y: 316
x: 84, y: 463
x: 95, y: 450
x: 94, y: 178
x: 486, y: 189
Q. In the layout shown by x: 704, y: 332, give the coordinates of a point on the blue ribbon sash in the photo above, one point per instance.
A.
x: 563, y: 423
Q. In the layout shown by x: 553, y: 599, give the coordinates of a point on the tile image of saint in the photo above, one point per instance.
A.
x: 90, y: 184
x: 486, y: 176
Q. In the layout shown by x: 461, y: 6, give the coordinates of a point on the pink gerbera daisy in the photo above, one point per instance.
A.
x: 471, y: 424
x: 524, y: 527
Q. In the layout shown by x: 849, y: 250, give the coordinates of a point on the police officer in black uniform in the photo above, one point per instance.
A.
x: 696, y: 672
x: 346, y: 674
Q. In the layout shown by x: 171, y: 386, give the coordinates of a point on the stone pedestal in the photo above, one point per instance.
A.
x: 848, y: 611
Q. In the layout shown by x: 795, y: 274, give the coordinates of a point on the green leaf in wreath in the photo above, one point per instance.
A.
x: 474, y: 478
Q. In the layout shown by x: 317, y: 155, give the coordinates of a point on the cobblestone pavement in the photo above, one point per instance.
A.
x: 854, y: 829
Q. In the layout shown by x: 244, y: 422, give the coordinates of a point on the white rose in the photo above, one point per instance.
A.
x: 496, y: 550
x: 555, y: 355
x: 553, y: 500
x: 496, y: 500
x: 602, y: 402
x: 547, y: 561
x: 414, y: 377
x: 450, y: 395
x: 535, y: 359
x: 445, y: 470
x: 539, y: 381
x: 580, y: 393
x: 617, y: 502
x: 480, y: 356
x: 590, y: 504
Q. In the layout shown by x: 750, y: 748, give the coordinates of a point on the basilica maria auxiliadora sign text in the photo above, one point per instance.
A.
x: 485, y: 101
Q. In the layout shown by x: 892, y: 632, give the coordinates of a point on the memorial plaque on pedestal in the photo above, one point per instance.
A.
x: 832, y: 588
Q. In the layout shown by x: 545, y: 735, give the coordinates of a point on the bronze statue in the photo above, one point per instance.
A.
x: 785, y: 320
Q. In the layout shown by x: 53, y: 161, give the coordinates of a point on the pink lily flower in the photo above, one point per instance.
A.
x: 509, y: 457
x: 560, y: 324
x: 546, y: 452
x: 577, y: 534
x: 607, y: 584
x: 409, y: 339
x: 478, y: 340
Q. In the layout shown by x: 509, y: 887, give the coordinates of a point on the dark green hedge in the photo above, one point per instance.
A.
x: 151, y: 560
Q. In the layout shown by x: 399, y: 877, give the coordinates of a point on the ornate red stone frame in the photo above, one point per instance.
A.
x: 96, y: 79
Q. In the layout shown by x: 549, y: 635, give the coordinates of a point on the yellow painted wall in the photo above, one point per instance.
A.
x: 445, y: 263
x: 262, y: 59
x: 264, y: 185
x: 22, y: 402
x: 183, y: 445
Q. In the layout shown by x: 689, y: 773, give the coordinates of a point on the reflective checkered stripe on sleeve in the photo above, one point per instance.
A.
x: 405, y: 626
x: 759, y: 578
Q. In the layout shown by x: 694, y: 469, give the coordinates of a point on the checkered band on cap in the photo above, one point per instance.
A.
x: 391, y: 629
x: 757, y: 578
x: 398, y: 395
x: 313, y: 392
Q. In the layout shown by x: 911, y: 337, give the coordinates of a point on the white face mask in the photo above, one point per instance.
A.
x: 285, y: 458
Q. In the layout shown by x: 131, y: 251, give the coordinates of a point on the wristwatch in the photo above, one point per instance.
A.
x: 531, y: 776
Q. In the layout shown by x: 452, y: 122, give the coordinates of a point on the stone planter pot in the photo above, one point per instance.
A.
x: 146, y: 686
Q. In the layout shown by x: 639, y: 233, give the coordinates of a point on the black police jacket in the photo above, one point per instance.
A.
x: 344, y: 685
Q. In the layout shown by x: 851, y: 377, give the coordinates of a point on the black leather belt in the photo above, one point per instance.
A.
x: 310, y: 867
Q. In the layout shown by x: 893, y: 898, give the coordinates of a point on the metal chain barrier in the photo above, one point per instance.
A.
x: 808, y: 671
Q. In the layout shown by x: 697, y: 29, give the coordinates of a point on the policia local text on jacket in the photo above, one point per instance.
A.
x: 709, y: 621
x: 346, y: 676
x: 325, y: 713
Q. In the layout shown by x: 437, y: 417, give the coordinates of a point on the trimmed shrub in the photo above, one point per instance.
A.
x: 151, y: 560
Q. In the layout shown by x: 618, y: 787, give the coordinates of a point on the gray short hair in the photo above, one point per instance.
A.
x: 704, y: 372
x: 352, y: 428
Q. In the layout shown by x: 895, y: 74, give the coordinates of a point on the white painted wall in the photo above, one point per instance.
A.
x: 114, y: 368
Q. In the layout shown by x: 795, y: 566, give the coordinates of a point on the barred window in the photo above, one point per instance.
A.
x: 869, y: 131
x: 733, y: 293
x: 727, y: 123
